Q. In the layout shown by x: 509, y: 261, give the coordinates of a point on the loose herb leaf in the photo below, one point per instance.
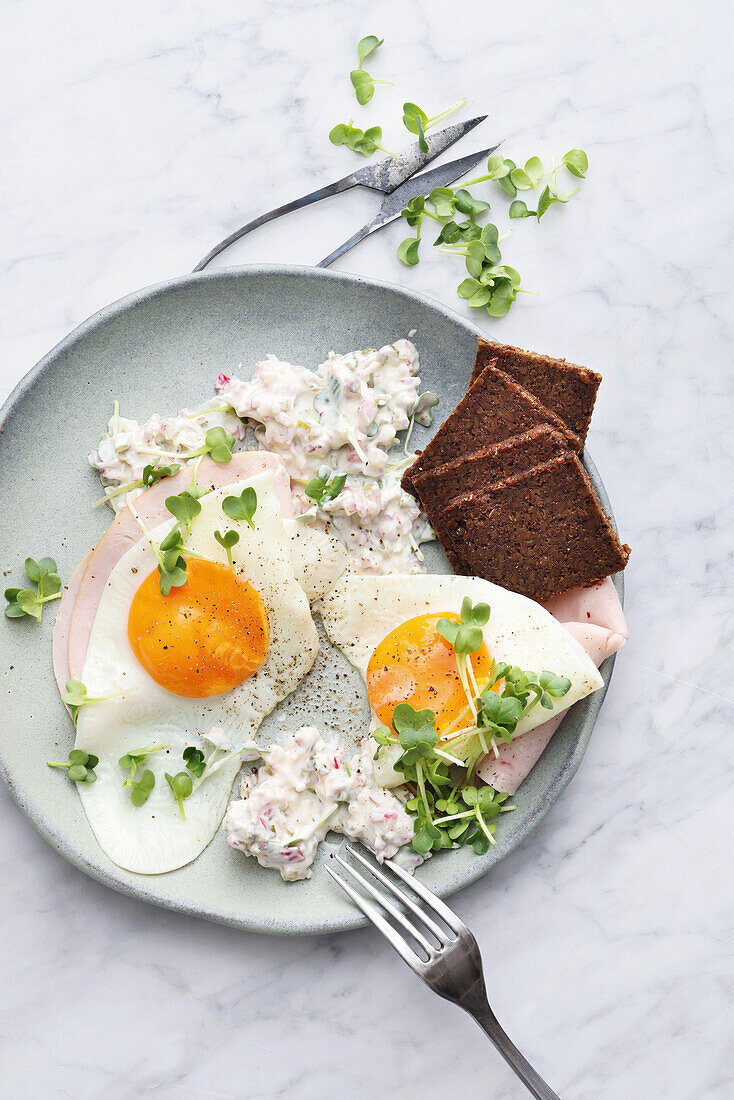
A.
x: 466, y: 636
x: 219, y: 444
x: 242, y: 508
x: 415, y: 120
x: 227, y: 541
x: 132, y: 760
x: 140, y: 789
x: 320, y: 489
x: 184, y: 507
x: 36, y: 569
x: 181, y: 786
x: 408, y: 251
x: 194, y: 760
x: 80, y: 766
x: 364, y: 142
x: 519, y: 209
x: 444, y: 201
x: 153, y: 473
x: 23, y: 602
x: 468, y: 205
x: 577, y: 162
x: 415, y: 210
x: 363, y: 84
x: 366, y: 46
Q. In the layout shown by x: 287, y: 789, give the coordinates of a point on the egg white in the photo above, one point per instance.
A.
x: 318, y: 559
x: 153, y: 838
x: 360, y: 611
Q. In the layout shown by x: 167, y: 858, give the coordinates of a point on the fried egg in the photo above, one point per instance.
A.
x: 386, y: 627
x: 221, y: 651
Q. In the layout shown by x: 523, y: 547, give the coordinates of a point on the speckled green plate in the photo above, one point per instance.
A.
x: 158, y: 350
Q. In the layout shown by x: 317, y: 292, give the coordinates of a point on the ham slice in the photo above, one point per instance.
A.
x: 79, y: 606
x: 595, y: 618
x: 63, y: 622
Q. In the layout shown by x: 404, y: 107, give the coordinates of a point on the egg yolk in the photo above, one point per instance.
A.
x: 415, y: 664
x: 205, y: 637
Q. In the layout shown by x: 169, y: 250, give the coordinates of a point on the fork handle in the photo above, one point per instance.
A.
x: 489, y: 1024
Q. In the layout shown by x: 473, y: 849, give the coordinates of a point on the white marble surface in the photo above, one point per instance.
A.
x: 134, y: 136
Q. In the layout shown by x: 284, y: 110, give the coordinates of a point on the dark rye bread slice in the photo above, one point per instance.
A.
x: 439, y: 486
x: 566, y: 389
x: 494, y: 408
x: 539, y: 533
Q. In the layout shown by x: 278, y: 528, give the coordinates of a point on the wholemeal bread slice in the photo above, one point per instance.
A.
x: 539, y: 533
x: 494, y: 408
x: 439, y: 486
x: 566, y: 389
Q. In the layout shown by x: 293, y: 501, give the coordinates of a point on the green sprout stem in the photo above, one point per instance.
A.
x: 482, y: 825
x: 445, y: 113
x: 422, y: 789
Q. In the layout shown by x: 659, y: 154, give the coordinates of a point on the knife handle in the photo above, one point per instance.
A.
x: 297, y: 204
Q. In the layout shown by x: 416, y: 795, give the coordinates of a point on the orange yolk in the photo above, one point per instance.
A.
x: 205, y: 637
x: 415, y: 665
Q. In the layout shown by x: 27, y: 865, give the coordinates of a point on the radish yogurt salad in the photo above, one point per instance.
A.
x: 335, y: 428
x: 128, y: 447
x: 305, y: 789
x: 342, y: 420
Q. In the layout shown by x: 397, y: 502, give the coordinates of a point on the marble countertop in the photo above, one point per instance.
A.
x: 137, y: 135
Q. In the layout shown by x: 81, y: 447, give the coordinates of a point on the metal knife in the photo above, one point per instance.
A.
x: 395, y: 201
x: 386, y: 175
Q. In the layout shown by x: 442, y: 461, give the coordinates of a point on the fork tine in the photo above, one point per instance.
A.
x: 407, y: 902
x: 388, y: 905
x: 373, y: 913
x: 448, y: 915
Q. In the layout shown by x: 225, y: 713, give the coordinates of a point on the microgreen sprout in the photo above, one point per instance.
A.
x: 132, y: 760
x: 491, y: 286
x: 227, y: 541
x: 416, y: 121
x: 80, y: 766
x: 151, y: 474
x: 362, y: 82
x: 466, y: 638
x: 324, y: 487
x: 184, y: 508
x: 364, y: 142
x: 181, y: 786
x: 218, y: 445
x: 140, y: 788
x: 75, y: 696
x: 171, y: 562
x: 26, y: 601
x: 242, y: 508
x: 366, y: 46
x: 448, y: 811
x: 194, y: 760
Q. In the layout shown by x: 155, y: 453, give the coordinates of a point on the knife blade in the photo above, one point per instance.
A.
x: 394, y: 202
x: 386, y: 175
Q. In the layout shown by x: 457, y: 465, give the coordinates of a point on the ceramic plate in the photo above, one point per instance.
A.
x: 159, y: 350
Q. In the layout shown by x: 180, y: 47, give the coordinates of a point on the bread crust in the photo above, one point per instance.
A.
x: 495, y: 407
x: 567, y: 389
x: 540, y: 533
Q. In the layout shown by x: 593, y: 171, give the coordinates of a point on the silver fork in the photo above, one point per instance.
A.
x: 451, y: 967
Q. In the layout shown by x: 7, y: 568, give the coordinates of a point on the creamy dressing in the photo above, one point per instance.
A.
x: 345, y: 415
x: 128, y: 447
x: 304, y: 789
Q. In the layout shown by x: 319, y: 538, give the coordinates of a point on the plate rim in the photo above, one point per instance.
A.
x: 139, y: 892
